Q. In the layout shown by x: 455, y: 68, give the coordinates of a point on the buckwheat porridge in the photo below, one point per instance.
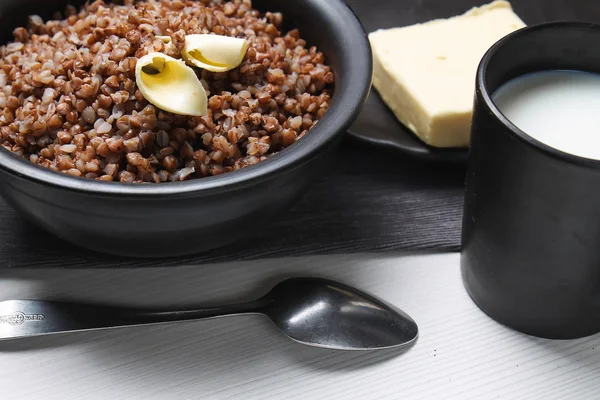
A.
x: 74, y: 97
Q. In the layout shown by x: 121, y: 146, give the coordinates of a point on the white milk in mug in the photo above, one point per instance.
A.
x: 560, y: 108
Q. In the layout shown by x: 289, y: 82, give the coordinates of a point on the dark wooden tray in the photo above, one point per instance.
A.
x: 367, y: 201
x: 372, y: 199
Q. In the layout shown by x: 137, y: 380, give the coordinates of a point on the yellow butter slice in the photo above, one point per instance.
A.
x: 171, y: 85
x: 214, y: 52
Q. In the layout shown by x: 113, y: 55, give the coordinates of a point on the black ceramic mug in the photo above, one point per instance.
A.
x: 531, y: 229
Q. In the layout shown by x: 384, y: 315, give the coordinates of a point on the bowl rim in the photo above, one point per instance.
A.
x: 348, y: 98
x: 487, y: 94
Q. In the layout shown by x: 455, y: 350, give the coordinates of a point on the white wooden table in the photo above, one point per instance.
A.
x: 461, y: 353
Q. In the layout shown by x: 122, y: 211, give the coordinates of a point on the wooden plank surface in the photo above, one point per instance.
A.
x: 368, y: 201
x: 461, y: 354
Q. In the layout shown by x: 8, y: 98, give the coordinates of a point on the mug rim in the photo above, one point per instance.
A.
x: 482, y: 88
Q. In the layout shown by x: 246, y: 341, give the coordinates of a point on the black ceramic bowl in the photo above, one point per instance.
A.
x: 168, y: 219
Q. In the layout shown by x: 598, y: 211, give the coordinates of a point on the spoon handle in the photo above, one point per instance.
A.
x: 25, y: 318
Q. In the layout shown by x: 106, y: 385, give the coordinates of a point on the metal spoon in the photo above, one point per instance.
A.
x: 312, y: 311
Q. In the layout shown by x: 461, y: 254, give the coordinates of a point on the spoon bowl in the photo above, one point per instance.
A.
x: 311, y: 311
x: 324, y: 313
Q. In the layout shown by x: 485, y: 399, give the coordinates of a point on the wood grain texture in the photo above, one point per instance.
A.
x: 367, y: 201
x: 461, y: 354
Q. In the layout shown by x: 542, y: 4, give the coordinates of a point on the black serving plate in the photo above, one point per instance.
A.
x: 377, y: 125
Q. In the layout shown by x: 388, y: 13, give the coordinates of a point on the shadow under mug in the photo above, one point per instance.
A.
x: 531, y: 229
